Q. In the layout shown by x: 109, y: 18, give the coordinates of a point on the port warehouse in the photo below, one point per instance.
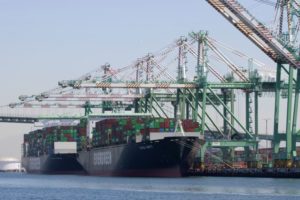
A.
x: 193, y: 99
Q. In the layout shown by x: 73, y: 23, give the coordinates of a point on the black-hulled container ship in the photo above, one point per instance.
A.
x: 141, y: 147
x: 54, y: 150
x: 133, y: 146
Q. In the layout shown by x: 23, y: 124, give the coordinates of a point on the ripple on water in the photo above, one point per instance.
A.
x: 25, y: 186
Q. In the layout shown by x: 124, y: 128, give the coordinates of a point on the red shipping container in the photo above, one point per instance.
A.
x: 195, y: 124
x: 154, y: 129
x: 167, y: 124
x: 161, y: 124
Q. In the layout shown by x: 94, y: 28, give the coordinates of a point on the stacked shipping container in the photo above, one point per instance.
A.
x: 106, y: 132
x: 41, y: 142
x: 118, y: 131
x: 126, y: 130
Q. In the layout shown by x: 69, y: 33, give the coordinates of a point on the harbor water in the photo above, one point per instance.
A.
x: 15, y: 186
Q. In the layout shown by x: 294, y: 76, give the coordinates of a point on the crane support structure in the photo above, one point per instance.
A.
x: 283, y: 53
x: 169, y: 84
x: 23, y: 120
x: 147, y: 88
x: 256, y: 31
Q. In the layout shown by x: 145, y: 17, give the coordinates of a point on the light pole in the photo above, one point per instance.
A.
x: 267, y: 150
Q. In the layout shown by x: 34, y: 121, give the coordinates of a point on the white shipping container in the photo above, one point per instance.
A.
x: 162, y: 135
x: 138, y: 138
x: 65, y: 147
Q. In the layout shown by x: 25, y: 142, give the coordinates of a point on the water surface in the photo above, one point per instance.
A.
x: 61, y: 187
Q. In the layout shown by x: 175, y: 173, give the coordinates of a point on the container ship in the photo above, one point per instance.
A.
x: 54, y: 150
x: 133, y: 146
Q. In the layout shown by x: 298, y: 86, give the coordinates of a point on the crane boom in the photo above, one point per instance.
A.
x: 136, y: 85
x: 256, y: 31
x: 236, y: 85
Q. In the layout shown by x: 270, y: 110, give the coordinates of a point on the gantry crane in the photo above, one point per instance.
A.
x: 281, y: 47
x: 151, y: 87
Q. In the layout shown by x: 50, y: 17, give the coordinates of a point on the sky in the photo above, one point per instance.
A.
x: 43, y: 42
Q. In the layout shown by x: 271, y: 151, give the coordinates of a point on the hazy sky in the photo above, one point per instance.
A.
x: 42, y: 42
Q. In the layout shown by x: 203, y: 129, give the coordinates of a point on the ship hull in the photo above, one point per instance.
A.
x: 168, y: 157
x: 53, y: 164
